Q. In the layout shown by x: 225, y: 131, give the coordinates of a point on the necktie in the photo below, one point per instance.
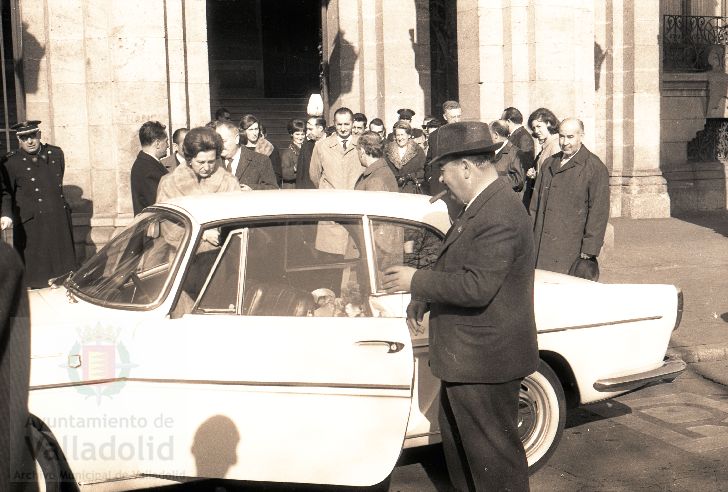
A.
x: 228, y: 163
x: 343, y: 143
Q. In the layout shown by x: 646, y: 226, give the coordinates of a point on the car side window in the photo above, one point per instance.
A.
x: 305, y: 268
x: 395, y: 243
x: 399, y: 243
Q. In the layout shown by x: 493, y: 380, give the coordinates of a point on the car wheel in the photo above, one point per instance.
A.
x: 541, y: 415
x: 53, y: 472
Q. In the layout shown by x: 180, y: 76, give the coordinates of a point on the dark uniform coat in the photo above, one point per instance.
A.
x: 482, y: 325
x: 145, y: 175
x: 255, y: 170
x: 41, y: 217
x: 570, y: 209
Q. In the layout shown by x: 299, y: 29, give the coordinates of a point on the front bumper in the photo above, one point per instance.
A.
x: 671, y: 368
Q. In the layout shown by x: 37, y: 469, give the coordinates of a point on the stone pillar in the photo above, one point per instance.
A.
x: 526, y: 54
x: 378, y: 56
x: 632, y: 107
x: 100, y: 69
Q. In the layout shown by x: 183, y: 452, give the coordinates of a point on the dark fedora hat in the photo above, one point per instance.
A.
x: 462, y: 138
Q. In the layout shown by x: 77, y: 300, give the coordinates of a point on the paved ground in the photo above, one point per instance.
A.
x: 691, y: 252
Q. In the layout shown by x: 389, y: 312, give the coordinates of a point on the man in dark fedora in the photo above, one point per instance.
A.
x: 482, y: 328
x: 34, y: 206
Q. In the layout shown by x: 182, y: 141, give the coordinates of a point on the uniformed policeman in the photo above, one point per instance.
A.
x: 33, y: 204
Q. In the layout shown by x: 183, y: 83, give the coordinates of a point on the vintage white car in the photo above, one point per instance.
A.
x: 246, y: 336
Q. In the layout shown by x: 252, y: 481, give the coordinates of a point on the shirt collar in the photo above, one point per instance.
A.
x: 150, y: 155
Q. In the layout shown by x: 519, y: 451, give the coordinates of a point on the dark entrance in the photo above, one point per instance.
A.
x: 291, y: 38
x: 262, y: 48
x: 264, y: 59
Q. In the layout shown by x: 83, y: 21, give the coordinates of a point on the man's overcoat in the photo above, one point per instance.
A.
x: 570, y: 209
x: 482, y: 326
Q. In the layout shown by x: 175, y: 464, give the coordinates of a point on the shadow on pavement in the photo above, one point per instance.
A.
x: 716, y: 220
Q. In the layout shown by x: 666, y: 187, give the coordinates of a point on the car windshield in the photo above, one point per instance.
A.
x: 134, y: 267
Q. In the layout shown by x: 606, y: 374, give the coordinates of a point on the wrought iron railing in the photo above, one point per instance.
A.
x: 687, y: 41
x: 710, y: 143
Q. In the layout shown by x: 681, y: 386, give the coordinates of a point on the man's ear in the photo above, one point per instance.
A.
x: 466, y: 165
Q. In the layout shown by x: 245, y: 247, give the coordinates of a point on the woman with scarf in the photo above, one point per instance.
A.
x: 406, y: 159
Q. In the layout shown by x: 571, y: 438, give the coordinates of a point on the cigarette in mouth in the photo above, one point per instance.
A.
x: 438, y: 196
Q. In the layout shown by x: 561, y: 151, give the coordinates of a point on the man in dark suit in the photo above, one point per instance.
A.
x: 315, y: 131
x: 253, y: 170
x: 519, y: 136
x: 175, y: 157
x: 508, y: 156
x: 482, y: 327
x: 147, y: 170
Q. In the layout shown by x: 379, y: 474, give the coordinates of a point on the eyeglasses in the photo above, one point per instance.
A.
x: 29, y: 136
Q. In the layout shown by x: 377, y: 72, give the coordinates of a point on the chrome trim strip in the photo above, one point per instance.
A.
x: 278, y: 384
x: 595, y: 325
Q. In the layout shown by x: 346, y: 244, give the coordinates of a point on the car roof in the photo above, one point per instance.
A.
x: 215, y: 207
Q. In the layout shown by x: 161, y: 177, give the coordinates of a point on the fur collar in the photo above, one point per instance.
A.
x: 392, y: 153
x: 263, y: 146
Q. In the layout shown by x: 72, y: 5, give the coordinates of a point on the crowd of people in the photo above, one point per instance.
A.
x: 515, y: 206
x: 563, y: 186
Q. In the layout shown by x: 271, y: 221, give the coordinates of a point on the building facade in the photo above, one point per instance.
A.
x: 94, y: 70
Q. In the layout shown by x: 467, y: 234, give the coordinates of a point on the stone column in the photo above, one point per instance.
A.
x: 101, y: 68
x: 526, y: 54
x: 378, y: 55
x: 632, y: 107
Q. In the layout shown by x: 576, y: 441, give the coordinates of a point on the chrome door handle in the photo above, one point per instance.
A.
x: 392, y: 347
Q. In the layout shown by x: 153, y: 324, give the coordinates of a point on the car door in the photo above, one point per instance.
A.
x: 279, y: 371
x: 413, y: 244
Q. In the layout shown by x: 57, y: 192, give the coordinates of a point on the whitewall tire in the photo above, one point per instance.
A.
x: 541, y: 415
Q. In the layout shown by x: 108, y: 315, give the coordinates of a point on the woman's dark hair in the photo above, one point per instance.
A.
x: 246, y: 122
x: 201, y: 139
x: 296, y: 125
x: 403, y: 125
x: 371, y: 143
x: 547, y: 116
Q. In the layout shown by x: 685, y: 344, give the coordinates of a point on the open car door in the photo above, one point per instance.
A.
x: 261, y: 382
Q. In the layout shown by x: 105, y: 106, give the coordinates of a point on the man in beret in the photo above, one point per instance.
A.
x: 34, y: 205
x: 482, y: 327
